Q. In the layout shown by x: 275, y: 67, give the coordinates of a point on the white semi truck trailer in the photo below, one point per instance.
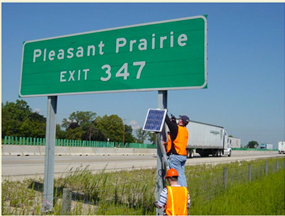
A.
x: 281, y: 147
x: 206, y: 139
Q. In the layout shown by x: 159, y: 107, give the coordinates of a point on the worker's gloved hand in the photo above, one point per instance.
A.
x: 155, y: 204
x: 173, y: 119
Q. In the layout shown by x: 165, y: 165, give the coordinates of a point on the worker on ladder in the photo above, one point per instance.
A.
x: 176, y: 145
x: 175, y: 199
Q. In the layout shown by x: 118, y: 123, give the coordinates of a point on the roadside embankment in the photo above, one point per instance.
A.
x: 19, y: 150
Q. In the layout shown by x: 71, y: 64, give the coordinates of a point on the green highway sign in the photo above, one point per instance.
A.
x: 167, y: 55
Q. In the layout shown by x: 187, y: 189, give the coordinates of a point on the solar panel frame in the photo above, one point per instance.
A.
x: 154, y: 120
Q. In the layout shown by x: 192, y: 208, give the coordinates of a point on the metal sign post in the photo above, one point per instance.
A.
x: 49, y: 154
x: 161, y: 169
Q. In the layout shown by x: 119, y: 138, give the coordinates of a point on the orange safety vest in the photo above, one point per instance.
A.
x: 177, y: 199
x: 168, y: 145
x: 180, y: 143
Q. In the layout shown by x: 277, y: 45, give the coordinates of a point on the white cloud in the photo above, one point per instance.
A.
x: 134, y: 124
x: 37, y: 110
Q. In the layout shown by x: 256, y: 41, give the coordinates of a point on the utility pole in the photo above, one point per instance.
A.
x: 124, y: 128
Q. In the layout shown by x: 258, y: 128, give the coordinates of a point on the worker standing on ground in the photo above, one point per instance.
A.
x: 177, y: 152
x: 175, y: 199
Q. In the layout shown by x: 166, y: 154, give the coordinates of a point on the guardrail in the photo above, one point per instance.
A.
x: 253, y: 149
x: 20, y: 150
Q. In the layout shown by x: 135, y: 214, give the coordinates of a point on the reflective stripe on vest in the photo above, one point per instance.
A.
x: 177, y: 198
x: 180, y: 142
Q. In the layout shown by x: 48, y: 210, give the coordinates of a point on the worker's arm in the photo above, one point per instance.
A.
x: 172, y: 127
x: 162, y: 200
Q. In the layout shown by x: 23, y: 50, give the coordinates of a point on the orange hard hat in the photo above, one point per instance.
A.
x: 171, y: 172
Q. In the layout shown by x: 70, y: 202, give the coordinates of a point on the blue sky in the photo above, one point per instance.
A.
x: 245, y: 91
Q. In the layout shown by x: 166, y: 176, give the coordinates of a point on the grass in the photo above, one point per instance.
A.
x: 264, y: 196
x: 133, y: 192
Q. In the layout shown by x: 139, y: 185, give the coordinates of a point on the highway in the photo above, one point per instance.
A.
x: 18, y: 167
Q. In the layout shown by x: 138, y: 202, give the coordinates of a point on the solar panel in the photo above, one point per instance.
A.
x: 154, y: 120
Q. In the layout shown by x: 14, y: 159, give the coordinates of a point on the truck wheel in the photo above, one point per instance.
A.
x: 220, y: 153
x: 230, y: 154
x: 190, y: 153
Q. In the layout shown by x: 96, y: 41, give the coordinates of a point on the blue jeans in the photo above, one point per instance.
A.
x: 178, y: 162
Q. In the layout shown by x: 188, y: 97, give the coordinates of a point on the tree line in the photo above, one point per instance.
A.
x: 19, y: 120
